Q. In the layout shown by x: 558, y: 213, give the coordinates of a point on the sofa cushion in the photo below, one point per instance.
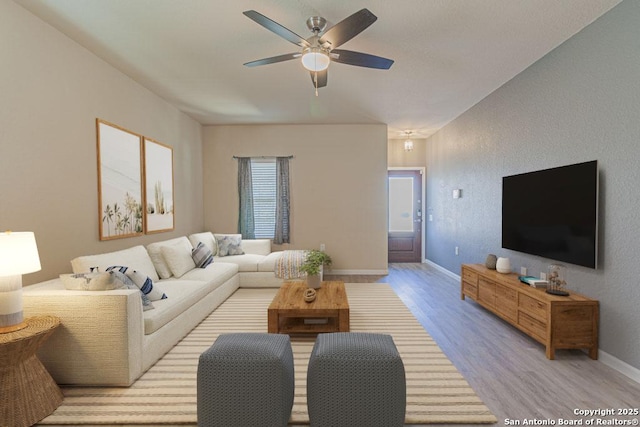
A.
x: 178, y: 258
x: 183, y: 293
x: 229, y: 244
x: 269, y: 262
x: 245, y: 263
x: 155, y: 253
x: 257, y: 246
x: 216, y: 272
x: 207, y: 238
x: 201, y: 255
x: 136, y: 258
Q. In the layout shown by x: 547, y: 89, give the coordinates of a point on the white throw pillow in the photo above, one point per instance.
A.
x: 178, y: 259
x: 207, y: 238
x: 155, y: 253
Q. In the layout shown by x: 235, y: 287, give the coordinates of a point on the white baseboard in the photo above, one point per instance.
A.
x: 620, y: 366
x: 442, y: 269
x: 360, y: 272
x: 604, y: 357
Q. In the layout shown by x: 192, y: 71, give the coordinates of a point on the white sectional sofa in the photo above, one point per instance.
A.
x: 107, y: 339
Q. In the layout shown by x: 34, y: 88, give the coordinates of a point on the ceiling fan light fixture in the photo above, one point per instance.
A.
x: 315, y: 59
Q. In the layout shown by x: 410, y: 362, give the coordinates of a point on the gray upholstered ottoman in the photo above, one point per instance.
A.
x: 356, y: 379
x: 246, y: 380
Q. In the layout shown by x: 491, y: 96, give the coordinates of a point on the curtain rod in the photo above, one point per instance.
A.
x: 263, y: 157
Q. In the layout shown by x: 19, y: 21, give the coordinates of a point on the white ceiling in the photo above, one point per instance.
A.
x: 449, y: 54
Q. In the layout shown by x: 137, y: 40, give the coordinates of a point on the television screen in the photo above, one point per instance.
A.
x: 553, y: 213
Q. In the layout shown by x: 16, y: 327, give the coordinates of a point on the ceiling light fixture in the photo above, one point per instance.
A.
x: 408, y: 143
x: 315, y: 59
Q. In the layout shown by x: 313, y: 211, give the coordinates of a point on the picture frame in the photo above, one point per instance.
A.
x: 159, y: 189
x: 120, y: 201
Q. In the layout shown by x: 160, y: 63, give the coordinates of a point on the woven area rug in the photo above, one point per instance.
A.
x: 166, y: 393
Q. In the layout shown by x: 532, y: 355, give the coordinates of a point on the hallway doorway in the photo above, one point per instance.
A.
x: 405, y: 215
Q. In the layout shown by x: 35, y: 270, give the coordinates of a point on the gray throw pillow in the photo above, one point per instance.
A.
x: 229, y: 244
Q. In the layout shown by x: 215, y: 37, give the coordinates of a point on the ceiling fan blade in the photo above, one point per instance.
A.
x: 273, y: 26
x: 322, y: 78
x: 360, y: 59
x: 273, y: 59
x: 348, y: 28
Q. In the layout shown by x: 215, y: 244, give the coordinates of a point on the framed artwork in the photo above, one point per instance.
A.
x: 119, y: 181
x: 158, y: 178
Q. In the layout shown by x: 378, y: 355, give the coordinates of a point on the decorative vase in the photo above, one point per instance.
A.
x: 314, y: 281
x: 503, y: 265
x: 557, y: 278
x: 490, y: 262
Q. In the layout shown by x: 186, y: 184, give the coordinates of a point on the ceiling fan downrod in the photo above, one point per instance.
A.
x: 316, y: 24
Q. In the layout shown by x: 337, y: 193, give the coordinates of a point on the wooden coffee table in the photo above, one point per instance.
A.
x: 290, y: 314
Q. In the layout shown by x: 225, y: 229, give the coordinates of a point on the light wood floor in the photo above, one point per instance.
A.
x: 506, y: 368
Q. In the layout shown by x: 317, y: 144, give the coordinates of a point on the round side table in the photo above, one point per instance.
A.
x: 27, y: 391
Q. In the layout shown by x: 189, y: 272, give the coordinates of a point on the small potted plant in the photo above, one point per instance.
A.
x: 313, y: 265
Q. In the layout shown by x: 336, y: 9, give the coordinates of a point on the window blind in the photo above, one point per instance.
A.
x: 263, y: 175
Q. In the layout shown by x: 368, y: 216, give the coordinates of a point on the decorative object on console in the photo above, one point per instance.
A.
x: 18, y: 256
x: 158, y: 183
x: 491, y: 261
x: 503, y: 265
x: 119, y: 181
x: 556, y: 277
x: 313, y: 265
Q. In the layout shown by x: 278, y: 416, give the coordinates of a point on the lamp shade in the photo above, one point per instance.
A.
x: 18, y: 253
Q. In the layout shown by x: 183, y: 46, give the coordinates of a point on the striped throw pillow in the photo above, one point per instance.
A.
x: 142, y: 281
x: 125, y: 282
x: 201, y: 255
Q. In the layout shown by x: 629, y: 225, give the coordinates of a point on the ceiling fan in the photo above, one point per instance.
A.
x: 319, y: 50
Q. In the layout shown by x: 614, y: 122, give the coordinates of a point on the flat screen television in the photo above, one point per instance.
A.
x: 553, y: 213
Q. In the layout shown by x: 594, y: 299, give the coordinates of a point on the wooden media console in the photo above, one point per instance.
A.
x: 558, y: 322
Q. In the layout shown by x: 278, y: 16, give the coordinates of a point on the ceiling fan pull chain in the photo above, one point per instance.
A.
x: 316, y: 82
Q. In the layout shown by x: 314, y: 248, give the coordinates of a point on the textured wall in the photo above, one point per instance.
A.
x: 51, y: 91
x: 580, y: 102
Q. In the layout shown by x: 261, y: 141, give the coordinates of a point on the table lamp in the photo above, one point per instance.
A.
x: 18, y: 256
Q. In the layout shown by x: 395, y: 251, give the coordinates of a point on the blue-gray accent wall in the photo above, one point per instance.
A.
x: 580, y: 102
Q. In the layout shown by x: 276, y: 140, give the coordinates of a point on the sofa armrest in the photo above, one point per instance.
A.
x: 256, y: 246
x: 99, y: 341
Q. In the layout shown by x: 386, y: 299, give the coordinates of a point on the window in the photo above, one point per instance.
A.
x: 263, y: 193
x: 263, y: 177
